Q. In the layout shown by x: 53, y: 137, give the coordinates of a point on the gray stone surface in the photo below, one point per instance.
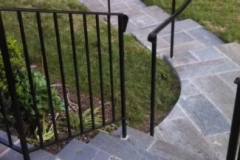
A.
x: 121, y: 149
x: 188, y: 89
x: 37, y: 155
x: 205, y: 68
x: 135, y: 138
x: 205, y: 37
x: 176, y: 113
x: 219, y: 93
x: 182, y: 59
x: 4, y: 138
x: 158, y: 14
x: 229, y: 78
x: 181, y: 48
x: 171, y: 152
x: 182, y: 133
x: 208, y: 53
x: 179, y: 38
x: 143, y: 21
x: 3, y: 148
x: 76, y: 150
x: 219, y: 143
x: 232, y: 51
x: 205, y: 115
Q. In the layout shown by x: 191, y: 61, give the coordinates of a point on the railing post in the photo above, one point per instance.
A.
x: 153, y: 82
x: 121, y: 30
x: 12, y: 90
x: 109, y: 6
x: 235, y: 128
x: 172, y: 28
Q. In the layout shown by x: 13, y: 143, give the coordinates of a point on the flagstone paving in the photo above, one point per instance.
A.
x: 206, y: 66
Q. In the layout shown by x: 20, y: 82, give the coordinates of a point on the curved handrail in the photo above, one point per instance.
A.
x: 153, y: 34
x: 152, y: 37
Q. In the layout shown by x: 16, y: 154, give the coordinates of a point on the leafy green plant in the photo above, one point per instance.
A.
x: 25, y: 95
x: 47, y: 132
x: 87, y: 119
x: 41, y: 95
x: 16, y: 60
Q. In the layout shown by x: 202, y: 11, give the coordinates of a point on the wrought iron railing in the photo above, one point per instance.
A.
x: 41, y: 37
x: 233, y: 146
x: 152, y: 37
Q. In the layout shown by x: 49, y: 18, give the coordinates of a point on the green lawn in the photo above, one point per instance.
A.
x: 137, y: 59
x: 219, y: 16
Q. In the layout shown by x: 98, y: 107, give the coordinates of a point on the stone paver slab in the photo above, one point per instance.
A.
x: 205, y: 37
x: 121, y: 149
x: 76, y: 150
x: 143, y: 21
x: 180, y: 38
x: 208, y: 53
x: 181, y: 48
x: 188, y: 89
x: 172, y: 152
x: 219, y: 93
x: 135, y: 138
x: 158, y: 14
x: 204, y: 114
x: 182, y: 133
x: 182, y: 59
x: 229, y: 78
x: 205, y: 68
x: 176, y: 113
x: 219, y: 142
x: 232, y: 50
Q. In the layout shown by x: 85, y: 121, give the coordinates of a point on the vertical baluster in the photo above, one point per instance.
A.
x: 88, y: 69
x: 62, y: 71
x: 12, y: 90
x: 111, y: 65
x: 100, y: 68
x: 76, y: 72
x: 5, y: 121
x: 235, y: 128
x: 30, y: 78
x: 153, y: 82
x: 45, y: 65
x: 172, y: 29
x: 122, y: 74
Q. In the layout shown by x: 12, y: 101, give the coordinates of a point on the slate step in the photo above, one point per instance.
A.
x: 7, y: 153
x: 76, y: 150
x: 206, y: 68
x: 122, y: 149
x: 158, y: 147
x: 10, y: 154
x: 232, y: 51
x: 183, y: 134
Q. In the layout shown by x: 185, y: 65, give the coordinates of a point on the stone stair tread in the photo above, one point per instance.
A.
x: 135, y: 137
x: 232, y: 51
x: 122, y: 149
x: 172, y: 152
x: 158, y: 147
x: 37, y: 155
x: 155, y: 12
x: 223, y: 97
x: 182, y: 133
x: 205, y: 37
x: 206, y: 68
x: 76, y: 150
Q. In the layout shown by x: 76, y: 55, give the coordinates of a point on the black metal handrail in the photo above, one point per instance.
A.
x: 233, y: 146
x: 152, y: 37
x: 37, y: 13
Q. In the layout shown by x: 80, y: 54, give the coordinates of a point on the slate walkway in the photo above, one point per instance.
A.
x: 206, y: 66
